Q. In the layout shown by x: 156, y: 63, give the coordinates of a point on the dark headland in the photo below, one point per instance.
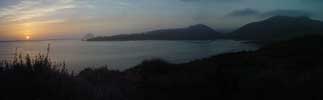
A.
x: 194, y: 32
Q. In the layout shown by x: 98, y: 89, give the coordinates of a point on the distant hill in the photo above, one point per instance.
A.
x: 271, y: 29
x: 195, y: 32
x: 88, y: 36
x: 278, y: 28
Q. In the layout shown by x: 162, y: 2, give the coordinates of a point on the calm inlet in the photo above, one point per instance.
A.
x: 121, y: 54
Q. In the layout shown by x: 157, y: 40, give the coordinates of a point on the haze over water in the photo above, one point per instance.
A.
x: 121, y: 55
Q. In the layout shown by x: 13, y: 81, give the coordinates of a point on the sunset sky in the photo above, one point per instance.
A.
x: 52, y: 19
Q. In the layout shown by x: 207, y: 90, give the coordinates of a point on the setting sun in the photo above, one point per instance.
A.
x: 28, y: 27
x: 27, y: 37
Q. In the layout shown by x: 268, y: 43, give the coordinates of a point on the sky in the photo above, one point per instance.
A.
x: 54, y: 19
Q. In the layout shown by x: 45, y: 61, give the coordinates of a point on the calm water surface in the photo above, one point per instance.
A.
x: 122, y: 54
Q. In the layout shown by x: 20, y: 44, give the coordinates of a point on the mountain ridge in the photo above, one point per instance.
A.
x: 194, y: 32
x: 271, y: 29
x: 278, y: 28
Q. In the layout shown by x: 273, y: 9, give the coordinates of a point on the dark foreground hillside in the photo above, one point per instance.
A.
x: 285, y: 70
x: 289, y: 69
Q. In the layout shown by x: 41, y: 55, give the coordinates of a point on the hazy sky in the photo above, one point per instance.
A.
x: 43, y: 19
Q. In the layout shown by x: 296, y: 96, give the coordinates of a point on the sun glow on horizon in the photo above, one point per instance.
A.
x: 28, y: 27
x: 27, y: 37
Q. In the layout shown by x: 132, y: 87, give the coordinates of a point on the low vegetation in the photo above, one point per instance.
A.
x: 284, y: 70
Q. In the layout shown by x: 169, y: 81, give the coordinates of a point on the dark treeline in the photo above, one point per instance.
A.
x: 289, y: 69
